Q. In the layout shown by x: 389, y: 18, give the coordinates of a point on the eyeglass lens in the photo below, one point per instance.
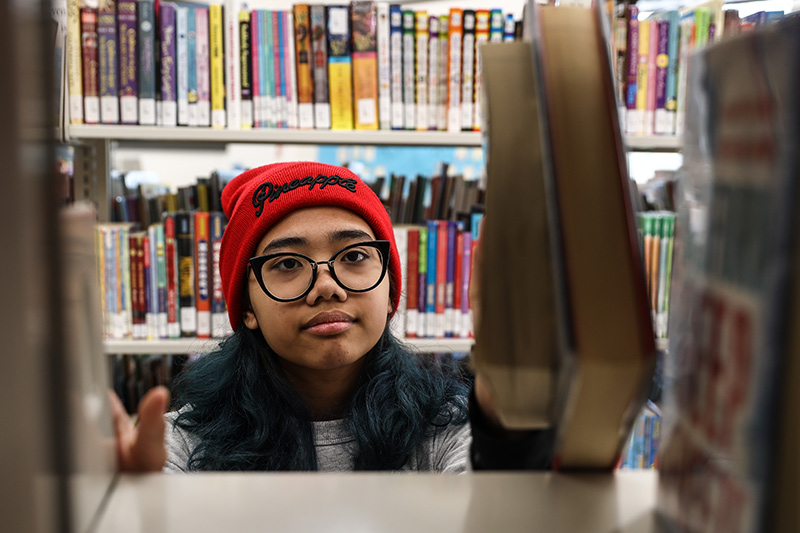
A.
x: 288, y: 276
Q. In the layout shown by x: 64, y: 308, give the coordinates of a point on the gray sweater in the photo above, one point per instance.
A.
x: 447, y: 451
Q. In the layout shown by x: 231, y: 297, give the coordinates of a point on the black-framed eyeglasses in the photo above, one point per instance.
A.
x: 289, y: 276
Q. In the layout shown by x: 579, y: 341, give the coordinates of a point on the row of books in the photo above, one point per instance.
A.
x: 133, y: 375
x: 363, y: 65
x: 652, y: 60
x: 437, y: 268
x: 641, y: 450
x: 657, y: 238
x: 162, y: 282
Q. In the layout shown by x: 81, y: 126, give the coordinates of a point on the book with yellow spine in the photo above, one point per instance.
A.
x: 365, y: 64
x: 215, y: 37
x: 340, y: 68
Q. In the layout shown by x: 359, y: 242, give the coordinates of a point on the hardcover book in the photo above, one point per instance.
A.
x: 365, y: 64
x: 396, y: 44
x: 305, y: 80
x: 340, y: 68
x: 108, y: 61
x: 89, y: 55
x: 319, y: 49
x: 128, y: 62
x: 167, y: 107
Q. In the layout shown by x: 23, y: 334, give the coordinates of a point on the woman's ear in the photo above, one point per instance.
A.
x: 249, y: 319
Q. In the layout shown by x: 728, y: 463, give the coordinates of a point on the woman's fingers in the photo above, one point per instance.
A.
x: 141, y: 448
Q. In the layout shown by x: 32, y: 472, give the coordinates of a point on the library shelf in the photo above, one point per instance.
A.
x: 195, y: 345
x: 296, y: 136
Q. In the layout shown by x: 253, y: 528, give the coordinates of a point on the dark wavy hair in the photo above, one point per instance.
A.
x: 248, y: 416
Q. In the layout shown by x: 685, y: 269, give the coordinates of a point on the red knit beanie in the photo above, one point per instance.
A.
x: 257, y: 199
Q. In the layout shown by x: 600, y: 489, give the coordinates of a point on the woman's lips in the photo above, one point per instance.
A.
x: 329, y: 323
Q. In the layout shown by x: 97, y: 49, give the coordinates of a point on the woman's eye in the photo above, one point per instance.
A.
x: 354, y: 256
x: 287, y: 264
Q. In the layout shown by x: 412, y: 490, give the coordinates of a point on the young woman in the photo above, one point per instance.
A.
x: 312, y: 378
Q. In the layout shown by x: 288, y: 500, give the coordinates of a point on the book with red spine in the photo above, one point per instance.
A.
x: 202, y: 260
x: 171, y: 250
x: 412, y: 286
x: 450, y: 287
x: 441, y: 277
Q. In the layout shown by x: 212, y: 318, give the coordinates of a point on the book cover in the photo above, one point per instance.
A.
x: 396, y: 43
x: 468, y: 70
x: 409, y: 64
x: 433, y: 72
x: 216, y: 40
x: 444, y: 55
x: 167, y: 107
x: 431, y: 286
x: 384, y: 67
x: 256, y: 83
x: 74, y: 63
x: 421, y: 69
x: 191, y: 66
x: 89, y: 56
x: 422, y: 284
x: 305, y: 79
x: 340, y: 68
x: 203, y: 66
x: 412, y: 268
x: 108, y: 61
x: 203, y: 275
x: 246, y: 68
x: 364, y: 19
x: 184, y: 236
x: 454, y: 71
x: 182, y: 63
x: 220, y: 324
x: 291, y: 72
x: 171, y: 264
x: 496, y: 26
x: 319, y: 49
x: 482, y: 27
x: 642, y: 79
x: 160, y: 264
x: 232, y: 64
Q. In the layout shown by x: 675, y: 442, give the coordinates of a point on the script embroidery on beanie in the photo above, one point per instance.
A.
x: 270, y: 192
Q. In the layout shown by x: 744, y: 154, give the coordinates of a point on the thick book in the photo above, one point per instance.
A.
x: 340, y: 68
x: 364, y: 19
x: 396, y: 44
x: 89, y: 56
x: 108, y: 61
x: 246, y: 47
x: 319, y: 49
x: 728, y: 458
x: 147, y: 61
x: 216, y: 41
x: 304, y: 59
x: 184, y: 236
x: 128, y: 62
x: 167, y: 106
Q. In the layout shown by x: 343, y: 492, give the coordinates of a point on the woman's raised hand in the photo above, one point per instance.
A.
x: 141, y: 448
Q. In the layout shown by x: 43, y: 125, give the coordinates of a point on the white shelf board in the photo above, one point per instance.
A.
x: 287, y: 136
x: 193, y: 345
x: 274, y: 136
x: 662, y: 345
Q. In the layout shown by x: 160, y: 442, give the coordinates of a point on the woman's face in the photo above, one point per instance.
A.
x: 330, y: 328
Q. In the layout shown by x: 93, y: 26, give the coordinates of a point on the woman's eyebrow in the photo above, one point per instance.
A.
x: 284, y: 242
x: 349, y: 235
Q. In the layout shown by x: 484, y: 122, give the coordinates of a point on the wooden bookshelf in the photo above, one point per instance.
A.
x: 195, y: 345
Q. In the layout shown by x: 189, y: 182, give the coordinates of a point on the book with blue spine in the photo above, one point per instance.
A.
x: 191, y: 66
x: 430, y: 283
x: 267, y: 68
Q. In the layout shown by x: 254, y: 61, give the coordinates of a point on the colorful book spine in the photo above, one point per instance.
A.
x: 74, y: 63
x: 398, y: 324
x: 450, y: 279
x: 340, y: 68
x: 161, y: 280
x: 672, y: 71
x: 281, y: 114
x: 171, y: 260
x: 454, y: 70
x: 276, y: 100
x: 246, y: 68
x: 191, y: 65
x: 305, y: 79
x: 89, y: 56
x: 256, y: 49
x: 149, y: 288
x: 182, y: 63
x: 232, y: 64
x: 456, y: 324
x: 291, y: 71
x: 128, y: 62
x: 220, y: 325
x: 384, y: 67
x: 217, y: 68
x: 441, y: 279
x: 632, y: 116
x: 396, y: 44
x: 108, y: 62
x: 137, y: 314
x: 269, y: 101
x: 319, y: 49
x: 421, y: 69
x: 412, y: 304
x: 496, y: 26
x: 468, y: 70
x: 509, y: 28
x: 166, y: 108
x: 430, y: 285
x: 203, y: 66
x: 641, y: 77
x: 444, y: 54
x: 203, y: 276
x: 466, y: 272
x: 422, y: 285
x: 482, y: 33
x: 684, y: 51
x: 433, y: 72
x: 364, y: 19
x: 662, y: 123
x: 184, y: 234
x: 409, y: 90
x: 652, y: 81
